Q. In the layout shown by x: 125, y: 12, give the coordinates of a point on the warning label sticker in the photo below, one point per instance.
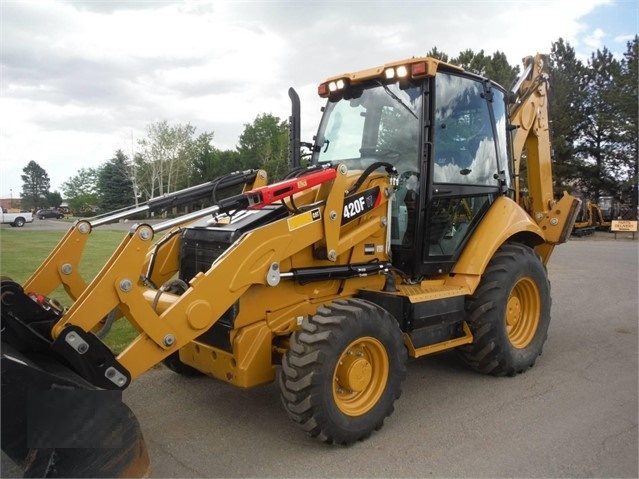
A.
x: 303, y: 219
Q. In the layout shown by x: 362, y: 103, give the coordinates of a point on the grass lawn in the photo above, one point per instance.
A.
x: 22, y: 251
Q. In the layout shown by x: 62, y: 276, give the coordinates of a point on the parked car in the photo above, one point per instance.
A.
x: 16, y: 219
x: 42, y: 214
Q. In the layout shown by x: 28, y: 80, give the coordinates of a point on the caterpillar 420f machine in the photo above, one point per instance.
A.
x: 407, y: 234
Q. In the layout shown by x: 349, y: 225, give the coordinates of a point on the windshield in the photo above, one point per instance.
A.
x: 379, y: 123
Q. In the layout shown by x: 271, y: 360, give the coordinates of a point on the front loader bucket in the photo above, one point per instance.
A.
x: 56, y: 424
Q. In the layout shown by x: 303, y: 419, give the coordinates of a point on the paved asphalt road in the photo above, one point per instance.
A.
x: 573, y: 415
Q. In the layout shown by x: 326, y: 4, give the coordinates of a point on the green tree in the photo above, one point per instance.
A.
x: 471, y: 61
x: 144, y: 177
x: 567, y: 114
x: 114, y: 185
x: 212, y: 163
x: 35, y: 186
x: 435, y: 53
x: 54, y: 199
x: 495, y: 66
x: 165, y: 161
x: 627, y: 124
x: 264, y: 144
x: 81, y: 190
x: 598, y: 141
x: 499, y: 70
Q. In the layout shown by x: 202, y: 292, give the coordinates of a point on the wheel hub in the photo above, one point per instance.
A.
x: 354, y: 373
x: 513, y: 311
x: 360, y: 376
x: 522, y: 313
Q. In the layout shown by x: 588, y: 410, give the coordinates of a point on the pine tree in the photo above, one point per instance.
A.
x: 115, y: 188
x: 35, y: 187
x: 626, y: 104
x: 567, y: 115
x: 599, y: 138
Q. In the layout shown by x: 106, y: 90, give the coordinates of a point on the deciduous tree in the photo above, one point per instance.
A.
x: 264, y: 144
x: 81, y: 190
x: 165, y: 161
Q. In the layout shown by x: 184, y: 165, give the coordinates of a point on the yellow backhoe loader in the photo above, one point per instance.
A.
x: 406, y: 235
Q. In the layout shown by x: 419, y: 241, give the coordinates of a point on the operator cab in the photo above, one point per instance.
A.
x: 445, y: 134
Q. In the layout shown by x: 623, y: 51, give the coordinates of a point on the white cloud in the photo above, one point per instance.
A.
x: 82, y: 79
x: 595, y: 39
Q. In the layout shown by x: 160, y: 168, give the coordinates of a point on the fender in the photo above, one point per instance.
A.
x: 504, y: 219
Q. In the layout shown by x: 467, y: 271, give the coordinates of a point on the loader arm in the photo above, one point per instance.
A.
x: 61, y: 267
x: 253, y: 260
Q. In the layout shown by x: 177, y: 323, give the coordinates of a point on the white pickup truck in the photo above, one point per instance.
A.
x: 16, y: 219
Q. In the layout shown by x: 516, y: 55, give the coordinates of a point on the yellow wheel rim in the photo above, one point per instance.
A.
x: 360, y: 376
x: 522, y: 313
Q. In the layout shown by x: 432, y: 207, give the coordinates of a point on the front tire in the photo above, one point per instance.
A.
x: 509, y: 313
x: 343, y: 371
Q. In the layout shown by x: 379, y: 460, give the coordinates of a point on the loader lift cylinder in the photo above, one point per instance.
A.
x: 182, y: 197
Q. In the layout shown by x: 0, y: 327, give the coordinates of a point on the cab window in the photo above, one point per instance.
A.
x: 465, y: 147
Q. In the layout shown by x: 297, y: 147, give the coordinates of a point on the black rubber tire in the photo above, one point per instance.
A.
x: 19, y: 222
x: 514, y: 290
x: 311, y: 370
x: 173, y: 362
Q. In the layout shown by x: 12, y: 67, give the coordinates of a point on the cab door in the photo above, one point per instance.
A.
x: 465, y: 169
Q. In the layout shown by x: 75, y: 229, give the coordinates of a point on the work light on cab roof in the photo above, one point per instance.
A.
x: 413, y: 68
x: 399, y: 72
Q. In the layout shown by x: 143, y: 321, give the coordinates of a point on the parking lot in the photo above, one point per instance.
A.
x: 573, y: 415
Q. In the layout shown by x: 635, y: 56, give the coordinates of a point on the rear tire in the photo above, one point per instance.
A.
x: 509, y: 313
x: 343, y: 371
x: 19, y: 222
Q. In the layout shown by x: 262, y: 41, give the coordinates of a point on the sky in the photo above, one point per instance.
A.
x: 82, y: 79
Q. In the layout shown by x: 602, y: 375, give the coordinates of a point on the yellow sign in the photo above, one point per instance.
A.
x: 623, y: 225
